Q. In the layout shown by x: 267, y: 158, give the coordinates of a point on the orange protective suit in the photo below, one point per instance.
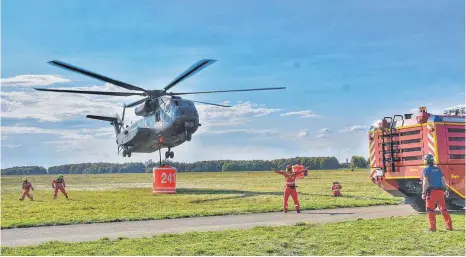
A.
x: 290, y: 189
x: 59, y: 185
x: 27, y: 186
x: 437, y: 196
x: 336, y: 189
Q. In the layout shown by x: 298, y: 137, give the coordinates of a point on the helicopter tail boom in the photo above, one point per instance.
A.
x: 113, y: 121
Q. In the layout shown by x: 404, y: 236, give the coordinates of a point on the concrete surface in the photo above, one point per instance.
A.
x: 89, y: 232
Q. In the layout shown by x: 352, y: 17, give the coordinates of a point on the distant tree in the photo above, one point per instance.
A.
x: 24, y: 170
x: 358, y: 162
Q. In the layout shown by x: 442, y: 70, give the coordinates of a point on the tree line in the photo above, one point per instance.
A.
x: 311, y: 163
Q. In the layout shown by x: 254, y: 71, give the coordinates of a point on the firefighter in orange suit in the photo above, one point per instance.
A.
x: 376, y: 176
x: 27, y: 186
x: 290, y: 188
x: 59, y: 184
x: 434, y: 190
x: 336, y: 189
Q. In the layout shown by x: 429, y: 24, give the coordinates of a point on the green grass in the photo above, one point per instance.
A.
x: 113, y: 197
x: 389, y: 236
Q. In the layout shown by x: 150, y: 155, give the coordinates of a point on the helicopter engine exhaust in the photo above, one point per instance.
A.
x: 144, y: 109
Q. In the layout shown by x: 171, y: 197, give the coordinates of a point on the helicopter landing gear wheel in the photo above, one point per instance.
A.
x: 126, y: 152
x: 188, y: 136
x: 169, y: 154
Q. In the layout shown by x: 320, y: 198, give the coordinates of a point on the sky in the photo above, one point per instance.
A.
x: 345, y: 64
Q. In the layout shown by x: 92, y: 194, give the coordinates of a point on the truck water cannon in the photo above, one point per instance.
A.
x: 397, y: 145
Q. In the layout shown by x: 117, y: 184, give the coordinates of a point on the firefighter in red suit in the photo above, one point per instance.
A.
x: 27, y: 186
x: 336, y: 189
x: 434, y: 190
x: 59, y: 184
x: 290, y: 188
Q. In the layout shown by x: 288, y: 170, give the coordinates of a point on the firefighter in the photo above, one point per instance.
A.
x: 434, y: 191
x: 336, y: 189
x: 290, y: 188
x: 26, y: 187
x: 376, y: 176
x: 59, y: 184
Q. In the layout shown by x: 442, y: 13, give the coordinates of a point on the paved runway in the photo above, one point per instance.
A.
x: 89, y: 232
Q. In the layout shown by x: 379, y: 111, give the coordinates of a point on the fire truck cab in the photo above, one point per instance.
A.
x: 397, y: 145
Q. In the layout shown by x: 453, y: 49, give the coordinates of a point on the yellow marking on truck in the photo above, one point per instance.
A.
x: 404, y: 177
x: 456, y: 191
x: 435, y: 144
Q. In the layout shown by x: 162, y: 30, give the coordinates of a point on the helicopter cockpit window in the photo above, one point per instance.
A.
x: 176, y: 103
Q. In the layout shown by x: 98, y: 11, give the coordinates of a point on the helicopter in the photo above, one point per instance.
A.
x: 168, y: 120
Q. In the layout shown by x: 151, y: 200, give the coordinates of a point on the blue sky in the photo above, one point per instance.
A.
x: 345, y: 64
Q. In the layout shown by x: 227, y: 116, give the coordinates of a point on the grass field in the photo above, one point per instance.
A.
x: 113, y: 197
x: 392, y: 236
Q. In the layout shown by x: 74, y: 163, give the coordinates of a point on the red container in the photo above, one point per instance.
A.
x: 299, y: 169
x: 164, y: 180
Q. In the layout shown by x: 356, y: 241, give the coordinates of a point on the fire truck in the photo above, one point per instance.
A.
x: 397, y: 145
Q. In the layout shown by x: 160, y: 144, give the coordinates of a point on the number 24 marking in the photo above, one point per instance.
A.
x: 170, y: 177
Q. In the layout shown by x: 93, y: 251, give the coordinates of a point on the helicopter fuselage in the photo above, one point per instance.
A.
x: 171, y: 122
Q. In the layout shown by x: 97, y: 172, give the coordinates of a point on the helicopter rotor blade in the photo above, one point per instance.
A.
x: 221, y: 105
x: 137, y: 102
x: 225, y: 91
x: 90, y: 92
x: 95, y: 75
x: 196, y: 67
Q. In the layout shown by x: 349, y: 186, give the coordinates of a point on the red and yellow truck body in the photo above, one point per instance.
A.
x: 397, y: 146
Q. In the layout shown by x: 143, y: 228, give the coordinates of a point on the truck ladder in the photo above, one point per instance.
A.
x: 392, y: 160
x: 384, y: 161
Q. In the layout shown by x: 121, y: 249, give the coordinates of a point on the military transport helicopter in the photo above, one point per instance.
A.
x: 168, y: 119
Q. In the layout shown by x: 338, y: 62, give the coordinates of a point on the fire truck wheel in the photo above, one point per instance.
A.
x: 417, y: 204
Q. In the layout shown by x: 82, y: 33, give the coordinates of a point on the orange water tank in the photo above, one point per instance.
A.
x: 164, y: 180
x: 299, y: 169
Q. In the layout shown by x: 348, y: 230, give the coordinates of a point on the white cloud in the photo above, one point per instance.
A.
x: 10, y: 146
x: 303, y: 133
x: 323, y: 133
x: 54, y: 107
x: 63, y: 133
x: 247, y: 131
x: 237, y: 114
x: 325, y: 130
x: 354, y: 129
x: 376, y: 123
x: 302, y: 114
x: 33, y: 80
